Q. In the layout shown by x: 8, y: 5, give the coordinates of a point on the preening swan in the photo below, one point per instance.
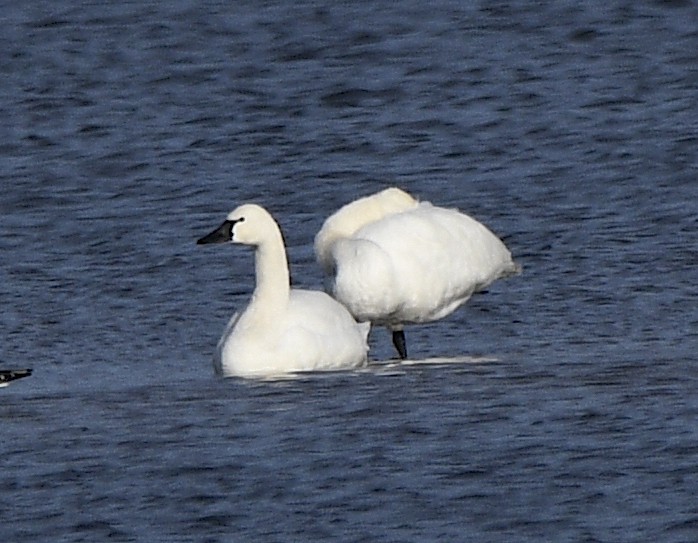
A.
x: 282, y: 329
x: 392, y: 260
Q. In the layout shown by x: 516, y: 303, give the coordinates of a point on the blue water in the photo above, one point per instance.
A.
x: 559, y: 406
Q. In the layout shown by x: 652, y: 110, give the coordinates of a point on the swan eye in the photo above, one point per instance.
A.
x: 232, y: 225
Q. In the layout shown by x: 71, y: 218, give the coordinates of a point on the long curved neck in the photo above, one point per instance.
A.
x: 272, y: 280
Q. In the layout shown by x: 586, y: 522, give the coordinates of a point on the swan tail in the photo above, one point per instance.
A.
x: 514, y: 269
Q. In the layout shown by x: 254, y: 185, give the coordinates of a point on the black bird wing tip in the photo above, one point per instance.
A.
x: 10, y: 375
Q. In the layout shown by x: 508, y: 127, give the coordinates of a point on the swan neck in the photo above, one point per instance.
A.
x: 272, y: 279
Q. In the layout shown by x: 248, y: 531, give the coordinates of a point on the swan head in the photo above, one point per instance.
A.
x: 248, y: 224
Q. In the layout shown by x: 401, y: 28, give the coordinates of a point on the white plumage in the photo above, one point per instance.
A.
x: 392, y: 260
x: 282, y: 330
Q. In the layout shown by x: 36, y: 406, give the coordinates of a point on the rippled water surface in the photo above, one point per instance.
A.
x: 559, y: 406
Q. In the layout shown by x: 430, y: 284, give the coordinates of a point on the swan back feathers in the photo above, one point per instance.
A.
x: 351, y: 217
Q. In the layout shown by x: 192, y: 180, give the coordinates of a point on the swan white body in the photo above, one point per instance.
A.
x: 392, y: 260
x: 282, y: 330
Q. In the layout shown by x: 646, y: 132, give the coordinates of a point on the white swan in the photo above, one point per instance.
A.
x: 392, y: 260
x: 282, y: 330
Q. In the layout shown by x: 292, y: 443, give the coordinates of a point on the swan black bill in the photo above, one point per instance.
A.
x: 400, y: 343
x: 222, y: 234
x: 6, y: 376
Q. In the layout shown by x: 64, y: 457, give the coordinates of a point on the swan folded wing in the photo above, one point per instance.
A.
x: 313, y: 350
x: 321, y: 333
x: 440, y: 257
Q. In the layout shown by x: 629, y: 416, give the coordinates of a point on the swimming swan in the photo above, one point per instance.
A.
x: 281, y: 330
x: 392, y: 260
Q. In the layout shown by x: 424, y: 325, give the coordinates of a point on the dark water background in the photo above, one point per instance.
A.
x: 561, y: 406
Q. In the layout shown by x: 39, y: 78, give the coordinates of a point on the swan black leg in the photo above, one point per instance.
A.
x: 400, y: 344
